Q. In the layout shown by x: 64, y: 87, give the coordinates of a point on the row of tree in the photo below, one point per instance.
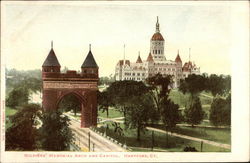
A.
x: 146, y: 103
x: 141, y: 104
x: 20, y: 85
x: 219, y: 86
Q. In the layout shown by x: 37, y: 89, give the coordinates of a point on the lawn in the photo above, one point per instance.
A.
x: 220, y: 135
x: 181, y: 99
x: 9, y: 112
x: 113, y: 113
x: 174, y: 144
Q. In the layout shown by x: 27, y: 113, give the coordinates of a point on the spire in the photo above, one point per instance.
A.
x: 178, y: 58
x: 51, y: 59
x: 124, y: 53
x: 189, y: 53
x: 52, y: 44
x: 139, y: 58
x: 157, y: 30
x: 89, y: 61
x: 150, y: 58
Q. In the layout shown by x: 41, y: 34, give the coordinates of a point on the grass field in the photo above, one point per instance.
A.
x: 113, y: 113
x: 174, y: 144
x: 219, y: 135
x: 9, y: 112
x: 181, y: 99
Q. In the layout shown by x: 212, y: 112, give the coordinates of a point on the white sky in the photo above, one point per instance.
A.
x: 28, y: 28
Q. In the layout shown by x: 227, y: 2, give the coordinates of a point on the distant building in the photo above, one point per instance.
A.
x: 156, y: 62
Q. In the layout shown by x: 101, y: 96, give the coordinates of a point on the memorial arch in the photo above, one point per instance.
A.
x: 82, y: 85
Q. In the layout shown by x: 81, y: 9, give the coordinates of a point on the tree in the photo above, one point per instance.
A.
x: 55, y: 134
x: 19, y: 85
x: 170, y: 113
x: 117, y: 128
x: 218, y: 85
x: 193, y: 112
x: 70, y: 102
x: 23, y: 134
x: 17, y: 97
x: 29, y: 79
x: 159, y: 87
x: 193, y: 84
x: 106, y: 80
x: 104, y: 101
x: 220, y: 113
x: 140, y: 112
x: 121, y: 92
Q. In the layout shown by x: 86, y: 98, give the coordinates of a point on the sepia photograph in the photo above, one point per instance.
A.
x: 137, y: 81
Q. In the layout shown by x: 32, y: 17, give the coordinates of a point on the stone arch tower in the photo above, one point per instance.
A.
x: 83, y: 85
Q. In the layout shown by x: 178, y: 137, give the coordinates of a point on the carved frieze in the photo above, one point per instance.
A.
x: 63, y: 85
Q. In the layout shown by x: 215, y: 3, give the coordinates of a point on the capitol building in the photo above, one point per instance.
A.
x: 156, y: 62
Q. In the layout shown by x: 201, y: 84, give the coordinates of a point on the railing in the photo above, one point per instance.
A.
x: 124, y: 146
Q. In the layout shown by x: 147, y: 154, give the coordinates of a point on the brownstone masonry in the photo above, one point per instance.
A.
x: 83, y: 85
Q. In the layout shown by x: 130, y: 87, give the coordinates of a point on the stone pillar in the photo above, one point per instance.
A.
x: 94, y: 108
x: 49, y: 99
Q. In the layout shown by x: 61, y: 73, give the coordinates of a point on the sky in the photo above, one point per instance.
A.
x: 29, y: 28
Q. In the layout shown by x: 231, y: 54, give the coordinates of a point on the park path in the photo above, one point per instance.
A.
x: 227, y: 146
x: 206, y: 95
x: 202, y: 126
x: 97, y: 142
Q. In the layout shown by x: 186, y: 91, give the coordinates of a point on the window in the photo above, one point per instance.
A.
x: 143, y: 74
x: 133, y: 74
x: 158, y: 51
x: 155, y: 51
x: 138, y: 74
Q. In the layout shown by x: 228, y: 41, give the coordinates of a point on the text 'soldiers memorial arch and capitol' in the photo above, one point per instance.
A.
x: 83, y: 85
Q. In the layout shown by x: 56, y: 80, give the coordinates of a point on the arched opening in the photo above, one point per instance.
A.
x: 72, y: 104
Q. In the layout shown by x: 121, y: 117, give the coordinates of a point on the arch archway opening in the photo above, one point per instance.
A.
x: 72, y: 104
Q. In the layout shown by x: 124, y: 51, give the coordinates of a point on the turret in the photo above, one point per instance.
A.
x: 89, y: 67
x: 139, y: 59
x: 51, y: 64
x: 178, y: 59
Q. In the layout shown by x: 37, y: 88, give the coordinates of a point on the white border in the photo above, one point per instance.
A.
x: 240, y: 97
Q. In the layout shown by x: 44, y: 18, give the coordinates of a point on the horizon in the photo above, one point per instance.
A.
x: 30, y: 28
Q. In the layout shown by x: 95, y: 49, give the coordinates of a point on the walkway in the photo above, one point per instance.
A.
x: 202, y: 126
x: 97, y: 142
x: 227, y: 146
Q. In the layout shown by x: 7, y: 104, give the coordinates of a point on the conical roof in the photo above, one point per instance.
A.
x: 178, y: 58
x: 139, y: 59
x: 150, y: 58
x: 89, y: 61
x: 51, y: 59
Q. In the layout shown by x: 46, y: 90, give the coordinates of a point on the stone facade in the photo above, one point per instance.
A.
x: 155, y: 63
